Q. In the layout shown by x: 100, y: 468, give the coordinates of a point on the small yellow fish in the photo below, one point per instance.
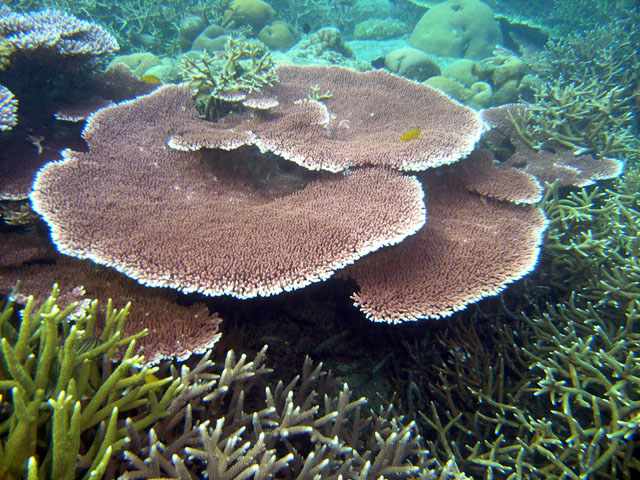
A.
x: 150, y: 79
x: 410, y: 135
x: 150, y: 378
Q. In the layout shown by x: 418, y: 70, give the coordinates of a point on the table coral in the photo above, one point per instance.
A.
x: 8, y: 109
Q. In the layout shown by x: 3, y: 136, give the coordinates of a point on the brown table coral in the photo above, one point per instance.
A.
x: 189, y: 221
x: 157, y: 198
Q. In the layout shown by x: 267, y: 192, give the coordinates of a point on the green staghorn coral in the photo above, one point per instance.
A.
x: 243, y: 67
x: 587, y: 99
x: 62, y: 400
x: 590, y: 117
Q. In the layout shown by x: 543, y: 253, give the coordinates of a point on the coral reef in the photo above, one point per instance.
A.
x: 287, y: 239
x: 380, y: 29
x: 556, y: 395
x: 586, y: 101
x: 254, y: 13
x: 588, y: 117
x: 279, y: 35
x: 52, y: 69
x: 411, y: 63
x: 139, y: 25
x: 58, y: 384
x: 459, y: 256
x: 244, y: 66
x: 567, y: 16
x: 227, y: 430
x: 312, y: 15
x: 40, y: 31
x: 359, y: 125
x: 325, y: 44
x: 176, y: 329
x: 8, y: 109
x: 562, y: 165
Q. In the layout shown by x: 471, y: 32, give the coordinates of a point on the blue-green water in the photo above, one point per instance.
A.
x: 438, y: 200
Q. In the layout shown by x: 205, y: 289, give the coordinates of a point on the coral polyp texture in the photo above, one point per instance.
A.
x: 359, y: 123
x: 471, y: 247
x: 176, y: 330
x: 170, y: 207
x: 185, y: 220
x: 8, y: 109
x: 54, y: 30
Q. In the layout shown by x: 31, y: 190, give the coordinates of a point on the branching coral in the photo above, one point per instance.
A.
x: 61, y: 399
x: 589, y: 117
x: 586, y: 100
x: 228, y: 431
x: 244, y: 66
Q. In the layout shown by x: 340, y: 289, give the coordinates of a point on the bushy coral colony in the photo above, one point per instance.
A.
x: 440, y: 200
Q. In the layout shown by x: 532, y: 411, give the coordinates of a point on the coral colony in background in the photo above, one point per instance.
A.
x: 319, y: 240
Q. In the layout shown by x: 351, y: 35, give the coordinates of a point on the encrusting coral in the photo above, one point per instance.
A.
x: 57, y: 383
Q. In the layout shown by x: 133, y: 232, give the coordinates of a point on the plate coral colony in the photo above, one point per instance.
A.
x: 420, y: 207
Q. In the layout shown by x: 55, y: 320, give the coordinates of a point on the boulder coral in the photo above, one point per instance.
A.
x: 457, y: 28
x: 255, y: 13
x: 279, y: 35
x: 411, y: 63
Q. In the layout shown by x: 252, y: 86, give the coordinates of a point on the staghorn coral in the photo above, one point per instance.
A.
x: 223, y: 428
x: 243, y: 67
x: 586, y: 101
x: 591, y: 117
x: 176, y: 330
x: 61, y: 397
x: 562, y: 165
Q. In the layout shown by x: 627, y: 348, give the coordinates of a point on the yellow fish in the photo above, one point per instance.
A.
x: 151, y: 79
x: 410, y: 135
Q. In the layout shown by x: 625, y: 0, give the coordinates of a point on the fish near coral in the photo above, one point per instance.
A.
x: 410, y: 135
